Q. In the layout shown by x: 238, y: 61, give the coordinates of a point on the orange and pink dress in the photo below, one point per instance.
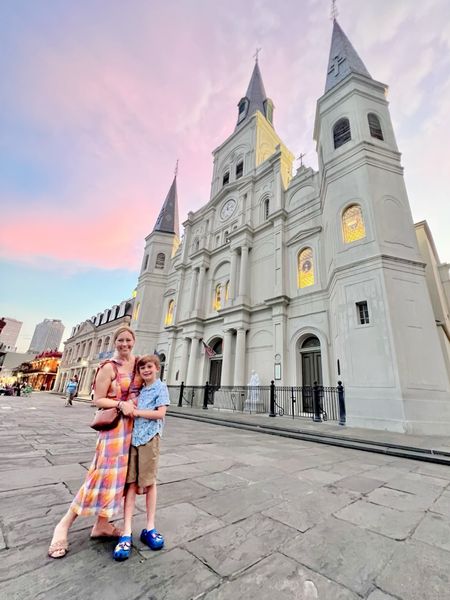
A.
x: 102, y: 491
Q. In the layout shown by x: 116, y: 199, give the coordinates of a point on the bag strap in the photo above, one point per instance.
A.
x: 101, y: 365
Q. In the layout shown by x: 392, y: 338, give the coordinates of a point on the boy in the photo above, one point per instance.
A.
x: 144, y: 455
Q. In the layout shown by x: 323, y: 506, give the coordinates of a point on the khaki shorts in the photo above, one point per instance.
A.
x: 143, y: 463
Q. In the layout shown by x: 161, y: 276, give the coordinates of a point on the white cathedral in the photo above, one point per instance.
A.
x: 321, y: 276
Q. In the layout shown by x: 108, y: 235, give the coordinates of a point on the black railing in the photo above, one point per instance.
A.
x: 316, y: 402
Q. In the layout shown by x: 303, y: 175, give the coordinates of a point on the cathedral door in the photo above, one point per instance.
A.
x: 311, y: 370
x: 215, y: 372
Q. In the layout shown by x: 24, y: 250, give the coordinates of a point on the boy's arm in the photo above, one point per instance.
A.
x: 152, y: 415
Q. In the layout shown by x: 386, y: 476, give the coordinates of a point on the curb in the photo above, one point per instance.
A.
x: 389, y: 449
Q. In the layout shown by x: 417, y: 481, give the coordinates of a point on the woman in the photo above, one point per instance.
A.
x: 102, y: 492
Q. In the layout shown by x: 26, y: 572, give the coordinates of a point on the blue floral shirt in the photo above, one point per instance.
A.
x: 150, y: 397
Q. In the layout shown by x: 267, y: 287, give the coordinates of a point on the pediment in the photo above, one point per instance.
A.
x: 170, y: 292
x: 304, y: 234
x: 86, y: 327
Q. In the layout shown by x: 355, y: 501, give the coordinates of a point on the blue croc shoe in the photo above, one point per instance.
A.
x: 123, y: 549
x: 152, y: 539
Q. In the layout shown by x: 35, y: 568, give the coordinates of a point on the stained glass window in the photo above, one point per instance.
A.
x: 353, y: 227
x: 217, y: 302
x: 169, y: 314
x: 227, y: 290
x: 305, y: 268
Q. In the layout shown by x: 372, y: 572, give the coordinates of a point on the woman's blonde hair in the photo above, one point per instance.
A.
x: 122, y: 329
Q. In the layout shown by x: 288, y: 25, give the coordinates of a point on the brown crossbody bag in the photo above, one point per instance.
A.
x: 107, y: 418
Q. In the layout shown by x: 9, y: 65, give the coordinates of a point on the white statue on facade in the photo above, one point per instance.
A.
x: 253, y: 396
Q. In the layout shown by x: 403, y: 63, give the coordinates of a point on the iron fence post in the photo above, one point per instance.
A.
x: 205, y: 396
x: 180, y: 397
x: 341, y: 397
x: 293, y: 402
x: 316, y: 403
x: 272, y: 400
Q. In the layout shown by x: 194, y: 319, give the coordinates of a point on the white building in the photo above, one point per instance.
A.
x: 47, y: 336
x: 9, y: 334
x: 89, y: 344
x: 320, y: 272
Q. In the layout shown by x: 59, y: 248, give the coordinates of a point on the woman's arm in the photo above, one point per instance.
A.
x: 103, y: 382
x: 152, y: 415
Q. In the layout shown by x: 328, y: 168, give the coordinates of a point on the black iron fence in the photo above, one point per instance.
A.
x: 316, y: 402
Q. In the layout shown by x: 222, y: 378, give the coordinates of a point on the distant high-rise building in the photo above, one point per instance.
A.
x: 47, y: 335
x: 9, y: 333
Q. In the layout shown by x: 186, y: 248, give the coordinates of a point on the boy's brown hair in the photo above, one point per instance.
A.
x: 148, y: 358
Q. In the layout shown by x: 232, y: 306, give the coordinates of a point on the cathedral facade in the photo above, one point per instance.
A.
x: 318, y: 276
x: 311, y: 277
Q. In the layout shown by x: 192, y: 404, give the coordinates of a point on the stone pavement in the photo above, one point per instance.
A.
x: 245, y: 515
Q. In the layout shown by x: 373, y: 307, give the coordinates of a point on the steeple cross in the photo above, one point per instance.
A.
x: 336, y: 63
x: 176, y: 168
x: 300, y: 157
x: 334, y: 10
x: 255, y: 56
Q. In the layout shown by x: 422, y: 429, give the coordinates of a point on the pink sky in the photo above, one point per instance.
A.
x: 103, y: 97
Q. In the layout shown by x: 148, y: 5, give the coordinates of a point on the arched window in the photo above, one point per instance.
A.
x: 227, y: 291
x: 169, y: 314
x: 305, y: 268
x: 106, y: 344
x: 217, y: 302
x: 160, y: 260
x: 341, y: 132
x: 374, y: 126
x: 266, y: 208
x: 353, y: 227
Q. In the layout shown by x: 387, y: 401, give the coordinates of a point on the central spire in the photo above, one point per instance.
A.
x: 343, y: 58
x: 255, y: 98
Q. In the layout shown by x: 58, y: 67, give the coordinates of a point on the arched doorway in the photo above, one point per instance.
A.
x: 215, y: 366
x: 162, y: 360
x: 311, y: 365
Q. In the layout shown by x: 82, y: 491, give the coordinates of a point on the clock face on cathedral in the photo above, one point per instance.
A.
x: 227, y: 209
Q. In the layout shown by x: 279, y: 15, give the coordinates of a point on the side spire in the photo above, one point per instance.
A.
x: 167, y: 220
x: 343, y: 58
x: 255, y: 97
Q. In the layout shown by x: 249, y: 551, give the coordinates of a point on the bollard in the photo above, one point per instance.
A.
x: 316, y: 403
x: 341, y: 397
x: 180, y: 397
x: 205, y: 396
x: 272, y: 400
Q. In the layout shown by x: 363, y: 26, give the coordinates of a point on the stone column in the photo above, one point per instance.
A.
x: 226, y: 363
x: 184, y: 361
x: 200, y: 290
x: 243, y: 275
x: 192, y: 374
x: 233, y: 275
x: 193, y: 289
x: 239, y: 365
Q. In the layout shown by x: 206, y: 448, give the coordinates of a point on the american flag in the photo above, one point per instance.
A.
x: 209, y: 351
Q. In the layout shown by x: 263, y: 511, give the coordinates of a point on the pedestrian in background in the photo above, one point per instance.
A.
x: 71, y: 390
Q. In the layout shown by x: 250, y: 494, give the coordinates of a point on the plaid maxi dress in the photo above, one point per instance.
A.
x: 102, y: 491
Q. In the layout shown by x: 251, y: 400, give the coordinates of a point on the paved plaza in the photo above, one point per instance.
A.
x: 245, y: 515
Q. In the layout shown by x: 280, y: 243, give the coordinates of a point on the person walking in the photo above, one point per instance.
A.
x: 102, y: 492
x: 71, y: 390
